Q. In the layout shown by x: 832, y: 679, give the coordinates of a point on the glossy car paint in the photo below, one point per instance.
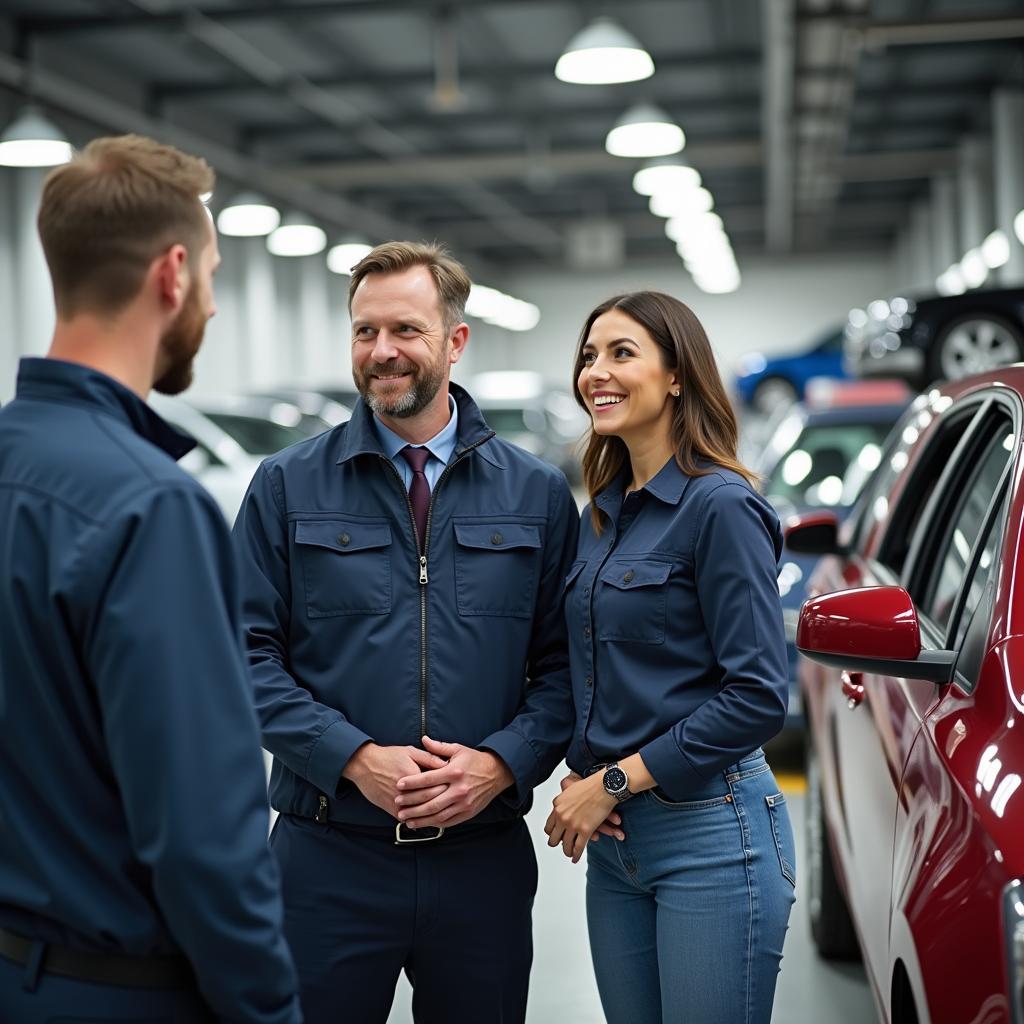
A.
x: 824, y: 358
x: 921, y: 783
x: 876, y: 622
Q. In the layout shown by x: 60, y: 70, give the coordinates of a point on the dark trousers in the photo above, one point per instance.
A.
x: 454, y: 914
x: 31, y: 997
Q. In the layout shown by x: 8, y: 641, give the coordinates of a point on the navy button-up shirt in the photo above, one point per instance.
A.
x: 675, y: 627
x: 133, y: 809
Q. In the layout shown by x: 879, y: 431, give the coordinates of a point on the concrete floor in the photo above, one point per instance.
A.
x: 562, y: 989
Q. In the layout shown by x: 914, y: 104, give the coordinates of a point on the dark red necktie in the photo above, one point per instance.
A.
x: 419, y: 489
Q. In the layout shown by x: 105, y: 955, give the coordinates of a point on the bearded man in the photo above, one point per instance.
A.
x: 135, y: 879
x: 403, y: 578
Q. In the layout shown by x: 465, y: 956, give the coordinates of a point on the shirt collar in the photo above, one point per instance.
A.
x: 60, y: 381
x: 666, y: 485
x: 441, y: 445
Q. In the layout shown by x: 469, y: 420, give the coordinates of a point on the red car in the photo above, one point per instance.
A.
x: 913, y: 686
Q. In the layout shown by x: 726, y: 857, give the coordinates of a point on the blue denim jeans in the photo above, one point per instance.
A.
x: 688, y: 915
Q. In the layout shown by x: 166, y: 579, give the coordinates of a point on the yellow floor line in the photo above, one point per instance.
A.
x: 791, y: 782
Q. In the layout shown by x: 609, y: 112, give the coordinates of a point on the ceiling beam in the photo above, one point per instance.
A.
x: 515, y: 164
x: 527, y: 116
x: 271, y: 9
x: 878, y: 35
x: 493, y: 74
x: 777, y: 121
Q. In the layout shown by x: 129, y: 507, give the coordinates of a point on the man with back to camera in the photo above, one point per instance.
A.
x: 135, y: 878
x: 403, y: 578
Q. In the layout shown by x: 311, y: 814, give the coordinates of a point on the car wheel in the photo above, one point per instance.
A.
x: 831, y: 927
x: 772, y: 392
x: 973, y: 344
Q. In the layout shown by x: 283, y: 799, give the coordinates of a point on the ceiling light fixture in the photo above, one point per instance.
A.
x: 995, y: 250
x: 248, y: 216
x: 688, y: 202
x: 603, y: 53
x: 32, y: 140
x: 341, y: 258
x: 665, y: 175
x: 645, y: 131
x: 297, y: 236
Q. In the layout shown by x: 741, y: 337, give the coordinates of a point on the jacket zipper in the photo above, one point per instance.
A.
x: 421, y: 562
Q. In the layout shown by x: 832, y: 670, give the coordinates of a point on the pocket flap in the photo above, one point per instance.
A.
x: 343, y: 537
x: 573, y: 573
x: 497, y: 536
x: 629, y: 575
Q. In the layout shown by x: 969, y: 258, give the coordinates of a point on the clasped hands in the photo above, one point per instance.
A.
x: 581, y: 813
x: 444, y: 784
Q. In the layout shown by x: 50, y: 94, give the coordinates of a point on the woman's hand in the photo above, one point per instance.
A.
x: 610, y: 825
x: 578, y: 812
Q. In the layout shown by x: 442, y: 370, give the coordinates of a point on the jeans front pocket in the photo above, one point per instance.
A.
x: 496, y: 568
x: 346, y: 566
x: 782, y: 831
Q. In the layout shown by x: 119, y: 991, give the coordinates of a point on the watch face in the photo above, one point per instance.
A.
x: 614, y: 780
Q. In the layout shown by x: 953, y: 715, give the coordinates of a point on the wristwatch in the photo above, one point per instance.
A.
x: 616, y: 783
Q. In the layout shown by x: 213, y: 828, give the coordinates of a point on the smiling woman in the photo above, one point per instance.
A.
x: 678, y: 664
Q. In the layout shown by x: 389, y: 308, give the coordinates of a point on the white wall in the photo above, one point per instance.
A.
x: 780, y: 305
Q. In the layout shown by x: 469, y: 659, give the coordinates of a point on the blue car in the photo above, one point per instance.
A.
x: 820, y: 458
x: 765, y: 383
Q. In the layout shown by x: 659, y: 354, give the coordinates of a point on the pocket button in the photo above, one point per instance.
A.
x: 344, y: 539
x: 496, y: 538
x: 629, y: 577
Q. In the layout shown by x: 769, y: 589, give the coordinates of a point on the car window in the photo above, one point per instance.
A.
x: 827, y: 465
x: 257, y: 436
x: 939, y: 586
x: 907, y: 518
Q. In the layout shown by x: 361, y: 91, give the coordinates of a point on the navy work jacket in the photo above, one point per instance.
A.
x: 675, y: 627
x: 355, y: 634
x: 133, y: 808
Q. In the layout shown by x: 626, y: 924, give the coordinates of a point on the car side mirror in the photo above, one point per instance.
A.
x: 873, y: 630
x: 813, y: 533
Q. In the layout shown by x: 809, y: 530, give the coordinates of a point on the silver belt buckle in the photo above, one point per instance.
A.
x: 401, y: 840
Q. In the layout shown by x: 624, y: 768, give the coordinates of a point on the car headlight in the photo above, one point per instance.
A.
x: 1013, y: 926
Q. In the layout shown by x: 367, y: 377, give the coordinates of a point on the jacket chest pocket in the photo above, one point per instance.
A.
x: 634, y: 602
x: 496, y: 568
x: 346, y: 567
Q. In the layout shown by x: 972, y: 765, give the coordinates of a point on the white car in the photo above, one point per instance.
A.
x: 233, y: 434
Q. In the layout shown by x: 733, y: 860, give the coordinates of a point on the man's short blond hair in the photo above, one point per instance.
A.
x: 114, y: 208
x: 450, y: 277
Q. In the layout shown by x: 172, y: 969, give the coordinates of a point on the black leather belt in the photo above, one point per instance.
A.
x: 401, y: 835
x: 100, y: 968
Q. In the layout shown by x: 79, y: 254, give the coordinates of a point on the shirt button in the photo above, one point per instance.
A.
x: 344, y: 539
x: 586, y: 591
x: 629, y: 577
x: 586, y: 631
x: 588, y: 681
x: 496, y: 538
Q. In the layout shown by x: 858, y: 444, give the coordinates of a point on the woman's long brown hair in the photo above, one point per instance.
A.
x: 703, y: 422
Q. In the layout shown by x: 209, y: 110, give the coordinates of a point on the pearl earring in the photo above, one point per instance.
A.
x: 675, y: 393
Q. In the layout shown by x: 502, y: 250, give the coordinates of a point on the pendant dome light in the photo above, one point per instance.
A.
x: 603, y: 53
x: 645, y: 131
x: 32, y: 140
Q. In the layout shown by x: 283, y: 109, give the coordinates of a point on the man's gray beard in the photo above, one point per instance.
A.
x: 420, y: 394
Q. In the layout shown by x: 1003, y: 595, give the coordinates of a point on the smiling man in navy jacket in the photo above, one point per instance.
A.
x: 135, y: 879
x: 403, y: 577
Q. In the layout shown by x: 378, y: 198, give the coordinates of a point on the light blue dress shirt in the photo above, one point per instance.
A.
x: 440, y: 446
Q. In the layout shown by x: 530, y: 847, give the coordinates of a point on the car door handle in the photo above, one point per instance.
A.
x: 853, y: 688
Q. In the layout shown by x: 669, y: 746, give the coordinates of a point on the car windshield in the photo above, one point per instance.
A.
x: 258, y: 436
x: 828, y: 465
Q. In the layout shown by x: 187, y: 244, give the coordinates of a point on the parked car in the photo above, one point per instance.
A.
x: 937, y: 338
x: 821, y: 457
x: 233, y: 435
x: 322, y: 411
x: 915, y: 709
x: 766, y: 382
x: 522, y: 408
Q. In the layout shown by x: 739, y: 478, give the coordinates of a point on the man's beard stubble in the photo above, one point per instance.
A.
x: 424, y: 384
x: 180, y: 345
